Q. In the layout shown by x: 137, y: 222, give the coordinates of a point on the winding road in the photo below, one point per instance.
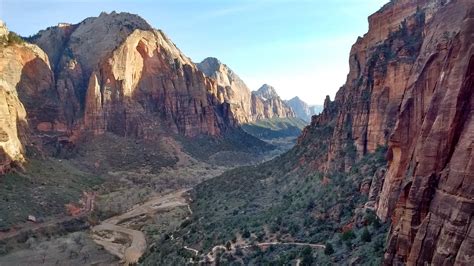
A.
x: 131, y: 254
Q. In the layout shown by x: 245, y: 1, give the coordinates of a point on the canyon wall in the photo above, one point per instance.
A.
x: 410, y: 88
x: 245, y: 105
x: 113, y: 73
x: 26, y: 83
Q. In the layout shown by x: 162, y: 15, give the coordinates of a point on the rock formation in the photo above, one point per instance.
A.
x: 267, y: 104
x: 231, y: 88
x: 3, y: 29
x: 246, y: 106
x: 303, y: 110
x: 410, y: 87
x: 25, y: 79
x: 113, y: 73
x: 116, y: 73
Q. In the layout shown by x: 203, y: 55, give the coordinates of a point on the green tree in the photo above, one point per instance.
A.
x: 365, y: 236
x: 329, y: 249
x: 307, y: 256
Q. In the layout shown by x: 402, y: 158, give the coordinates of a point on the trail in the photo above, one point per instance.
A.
x: 210, y: 256
x: 264, y: 244
x: 132, y: 253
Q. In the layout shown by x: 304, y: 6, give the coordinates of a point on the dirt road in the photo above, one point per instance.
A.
x: 135, y: 250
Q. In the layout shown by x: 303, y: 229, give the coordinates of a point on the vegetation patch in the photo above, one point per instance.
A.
x: 275, y: 128
x: 276, y: 202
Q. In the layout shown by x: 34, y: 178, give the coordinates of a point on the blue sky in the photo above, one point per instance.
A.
x: 301, y: 47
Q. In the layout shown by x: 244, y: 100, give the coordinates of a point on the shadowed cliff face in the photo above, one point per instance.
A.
x: 410, y: 87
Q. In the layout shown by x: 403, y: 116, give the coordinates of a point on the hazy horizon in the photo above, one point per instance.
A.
x: 277, y: 42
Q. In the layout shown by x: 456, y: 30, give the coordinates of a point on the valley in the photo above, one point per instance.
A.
x: 117, y: 149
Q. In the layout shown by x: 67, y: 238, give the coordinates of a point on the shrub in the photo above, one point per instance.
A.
x: 347, y: 236
x: 365, y: 236
x: 329, y: 249
x: 14, y: 38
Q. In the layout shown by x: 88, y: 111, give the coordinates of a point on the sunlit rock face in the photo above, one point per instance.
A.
x: 116, y: 73
x: 410, y: 88
x: 302, y: 110
x: 246, y: 106
x: 25, y: 81
x: 113, y: 73
x: 267, y: 104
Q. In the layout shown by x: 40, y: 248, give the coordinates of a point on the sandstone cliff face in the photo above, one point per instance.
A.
x: 3, y: 29
x: 245, y: 106
x: 115, y: 73
x: 231, y: 88
x: 267, y: 104
x: 302, y: 110
x: 25, y: 80
x: 410, y: 87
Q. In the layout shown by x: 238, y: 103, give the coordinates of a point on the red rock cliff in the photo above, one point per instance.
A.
x: 115, y: 73
x: 26, y: 83
x: 410, y: 87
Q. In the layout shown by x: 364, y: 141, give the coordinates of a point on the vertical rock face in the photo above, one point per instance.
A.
x: 245, y: 106
x: 25, y: 81
x: 267, y: 104
x: 428, y: 190
x: 410, y: 87
x: 115, y: 73
x: 3, y: 29
x: 231, y: 88
x: 303, y: 110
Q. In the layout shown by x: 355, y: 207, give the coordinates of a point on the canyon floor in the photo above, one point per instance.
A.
x: 140, y: 194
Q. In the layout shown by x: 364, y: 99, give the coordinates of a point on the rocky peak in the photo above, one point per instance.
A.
x: 303, y: 110
x: 210, y: 65
x: 3, y: 29
x: 266, y: 92
x: 213, y: 68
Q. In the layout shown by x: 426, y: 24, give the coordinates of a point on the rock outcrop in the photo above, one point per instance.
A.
x: 302, y: 109
x: 267, y: 104
x: 113, y: 73
x: 3, y: 29
x: 25, y: 80
x: 116, y: 73
x: 245, y: 106
x: 231, y: 89
x: 410, y: 87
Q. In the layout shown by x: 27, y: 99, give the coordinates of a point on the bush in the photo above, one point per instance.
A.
x: 347, y: 236
x: 14, y: 38
x: 365, y: 236
x: 246, y: 234
x: 329, y: 249
x: 307, y: 255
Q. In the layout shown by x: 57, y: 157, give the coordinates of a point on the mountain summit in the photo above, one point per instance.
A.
x: 302, y: 109
x: 245, y: 105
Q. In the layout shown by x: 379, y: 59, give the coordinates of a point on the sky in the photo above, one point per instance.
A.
x: 300, y: 47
